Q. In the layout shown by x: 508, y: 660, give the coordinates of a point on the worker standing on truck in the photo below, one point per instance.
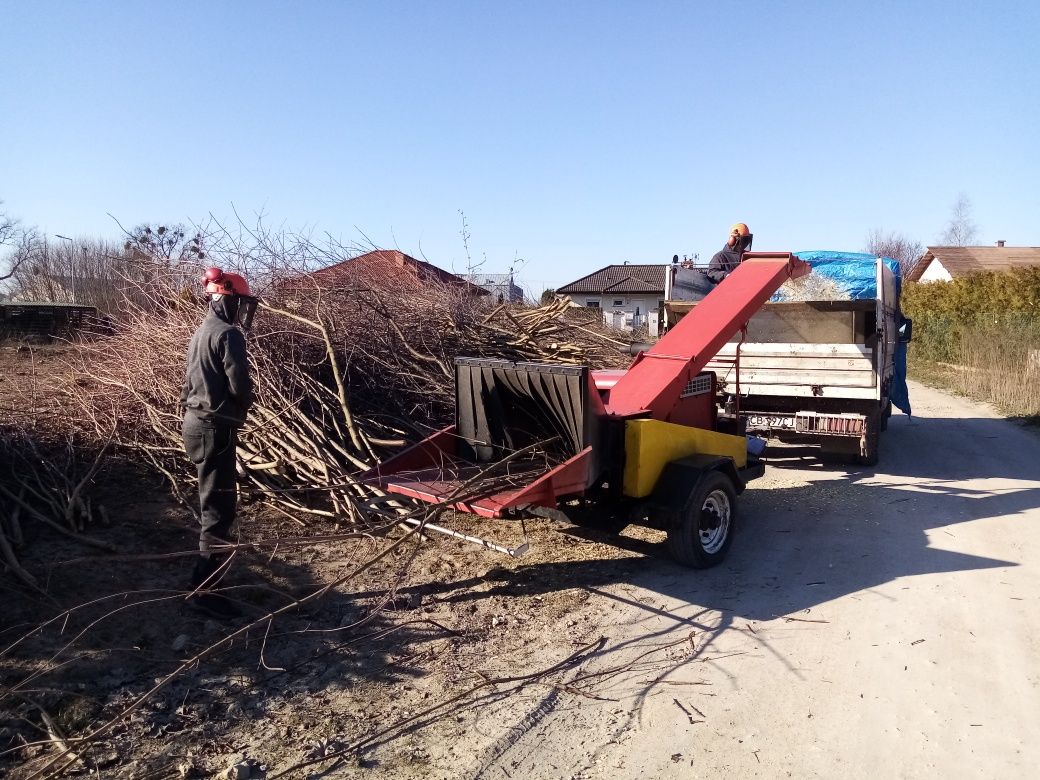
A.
x: 728, y: 258
x: 216, y: 397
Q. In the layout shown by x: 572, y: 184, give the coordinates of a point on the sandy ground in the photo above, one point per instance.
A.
x: 877, y: 622
x: 867, y: 622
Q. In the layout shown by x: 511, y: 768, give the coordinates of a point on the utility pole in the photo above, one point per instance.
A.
x: 72, y: 262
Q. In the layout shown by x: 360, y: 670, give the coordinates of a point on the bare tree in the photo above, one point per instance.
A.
x: 906, y: 250
x: 17, y: 242
x: 961, y: 229
x: 165, y: 243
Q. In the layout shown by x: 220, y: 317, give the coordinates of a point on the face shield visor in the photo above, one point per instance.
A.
x: 237, y: 309
x: 246, y: 311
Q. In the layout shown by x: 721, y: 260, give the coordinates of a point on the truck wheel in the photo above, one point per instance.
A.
x: 868, y: 445
x: 885, y: 414
x: 701, y: 534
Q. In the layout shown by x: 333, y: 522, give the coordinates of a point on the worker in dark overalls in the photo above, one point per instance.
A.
x: 728, y: 258
x: 216, y: 397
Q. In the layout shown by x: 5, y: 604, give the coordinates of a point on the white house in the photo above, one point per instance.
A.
x: 630, y: 296
x: 943, y: 263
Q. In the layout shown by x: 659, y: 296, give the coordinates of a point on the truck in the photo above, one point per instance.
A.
x: 823, y: 372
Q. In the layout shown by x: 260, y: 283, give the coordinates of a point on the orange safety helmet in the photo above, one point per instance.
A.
x: 739, y: 230
x: 217, y: 282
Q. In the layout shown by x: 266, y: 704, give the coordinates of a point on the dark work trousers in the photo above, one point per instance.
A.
x: 211, y: 447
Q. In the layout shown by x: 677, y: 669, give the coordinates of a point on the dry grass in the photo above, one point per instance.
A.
x: 999, y: 366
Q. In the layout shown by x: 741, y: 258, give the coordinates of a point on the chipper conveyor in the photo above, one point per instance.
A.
x: 646, y: 445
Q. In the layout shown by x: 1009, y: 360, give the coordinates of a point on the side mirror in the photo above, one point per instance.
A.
x: 906, y: 331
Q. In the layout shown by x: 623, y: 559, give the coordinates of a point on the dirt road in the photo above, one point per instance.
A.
x: 868, y: 622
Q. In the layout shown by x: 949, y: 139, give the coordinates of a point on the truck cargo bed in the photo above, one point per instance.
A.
x: 801, y: 370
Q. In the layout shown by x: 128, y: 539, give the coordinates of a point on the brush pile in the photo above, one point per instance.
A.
x: 344, y: 375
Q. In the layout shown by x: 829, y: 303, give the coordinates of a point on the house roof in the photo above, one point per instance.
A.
x: 482, y: 278
x: 620, y: 279
x: 387, y: 267
x: 963, y: 260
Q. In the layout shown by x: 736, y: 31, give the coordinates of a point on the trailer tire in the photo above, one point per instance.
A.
x: 702, y: 532
x: 868, y: 448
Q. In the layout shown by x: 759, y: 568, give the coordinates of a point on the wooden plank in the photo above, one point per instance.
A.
x: 788, y: 363
x: 796, y: 349
x: 803, y: 324
x: 832, y: 378
x: 812, y: 322
x: 806, y: 391
x: 857, y: 304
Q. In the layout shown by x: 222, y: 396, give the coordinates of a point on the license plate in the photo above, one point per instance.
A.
x: 770, y: 421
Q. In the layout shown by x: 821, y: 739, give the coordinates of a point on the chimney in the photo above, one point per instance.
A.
x: 1000, y: 243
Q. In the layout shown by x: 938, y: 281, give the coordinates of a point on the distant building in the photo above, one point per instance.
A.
x: 389, y: 269
x: 502, y: 287
x: 631, y: 296
x: 943, y: 263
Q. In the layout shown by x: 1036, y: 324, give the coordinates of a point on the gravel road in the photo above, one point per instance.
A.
x: 868, y: 622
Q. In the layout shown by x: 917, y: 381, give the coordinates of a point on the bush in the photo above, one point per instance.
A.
x: 987, y: 325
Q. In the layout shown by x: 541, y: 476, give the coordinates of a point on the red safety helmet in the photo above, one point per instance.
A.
x: 217, y: 282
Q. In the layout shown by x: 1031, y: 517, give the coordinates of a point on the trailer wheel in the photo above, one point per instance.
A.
x: 701, y: 534
x: 868, y: 446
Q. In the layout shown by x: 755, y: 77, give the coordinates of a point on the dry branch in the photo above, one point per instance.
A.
x: 345, y: 375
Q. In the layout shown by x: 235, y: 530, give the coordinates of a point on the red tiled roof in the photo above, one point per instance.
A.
x: 620, y: 279
x: 387, y: 268
x: 963, y: 260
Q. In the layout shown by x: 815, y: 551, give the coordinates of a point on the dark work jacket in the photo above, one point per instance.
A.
x: 723, y: 262
x: 217, y: 385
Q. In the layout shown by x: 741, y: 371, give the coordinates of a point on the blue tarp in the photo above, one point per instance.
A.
x: 852, y: 271
x: 855, y: 273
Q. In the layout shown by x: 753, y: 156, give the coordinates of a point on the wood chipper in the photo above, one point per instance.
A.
x: 646, y: 445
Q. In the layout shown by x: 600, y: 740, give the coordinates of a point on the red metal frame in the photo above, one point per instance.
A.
x: 420, y: 472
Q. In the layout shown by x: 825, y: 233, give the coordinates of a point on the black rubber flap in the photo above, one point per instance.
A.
x: 503, y: 407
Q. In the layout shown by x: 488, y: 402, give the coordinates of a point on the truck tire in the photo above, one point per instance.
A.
x: 702, y: 532
x: 885, y: 414
x: 868, y: 447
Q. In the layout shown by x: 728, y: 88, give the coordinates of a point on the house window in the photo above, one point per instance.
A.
x: 619, y: 302
x: 592, y: 304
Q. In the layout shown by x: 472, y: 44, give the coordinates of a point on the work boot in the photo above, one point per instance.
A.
x: 207, y: 574
x: 215, y: 605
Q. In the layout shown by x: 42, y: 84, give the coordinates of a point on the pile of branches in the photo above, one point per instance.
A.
x: 45, y: 484
x: 344, y: 377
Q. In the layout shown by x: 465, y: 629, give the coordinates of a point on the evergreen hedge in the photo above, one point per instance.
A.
x: 1000, y: 306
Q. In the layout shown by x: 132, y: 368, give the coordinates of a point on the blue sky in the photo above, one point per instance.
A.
x: 571, y: 134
